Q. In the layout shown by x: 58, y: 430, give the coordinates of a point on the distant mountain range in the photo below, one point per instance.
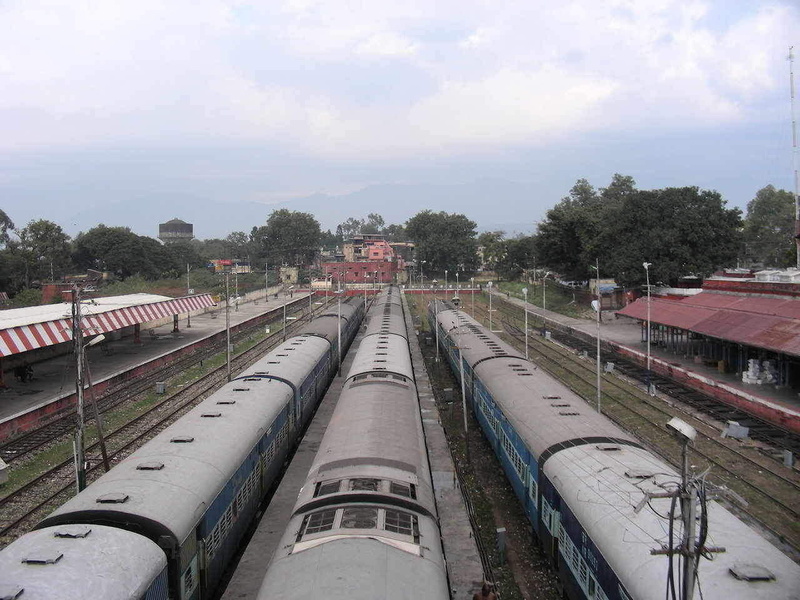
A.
x: 492, y: 204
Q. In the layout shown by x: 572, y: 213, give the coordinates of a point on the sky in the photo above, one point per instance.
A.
x: 222, y: 104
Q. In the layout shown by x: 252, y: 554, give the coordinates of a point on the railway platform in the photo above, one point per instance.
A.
x: 776, y: 405
x: 24, y: 405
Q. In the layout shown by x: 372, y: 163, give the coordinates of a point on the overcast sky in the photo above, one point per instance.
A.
x: 236, y: 101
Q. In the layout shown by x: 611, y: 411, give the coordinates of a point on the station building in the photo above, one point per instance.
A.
x: 740, y: 322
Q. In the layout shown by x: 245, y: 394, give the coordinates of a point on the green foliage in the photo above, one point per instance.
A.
x: 680, y: 231
x: 27, y: 297
x: 444, y: 241
x: 289, y: 238
x: 122, y: 252
x: 494, y: 248
x: 46, y: 250
x: 6, y: 225
x: 519, y: 256
x: 769, y: 228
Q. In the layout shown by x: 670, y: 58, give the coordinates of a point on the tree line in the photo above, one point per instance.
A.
x: 681, y: 231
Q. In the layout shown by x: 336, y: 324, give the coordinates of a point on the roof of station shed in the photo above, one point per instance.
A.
x: 24, y: 329
x: 772, y: 323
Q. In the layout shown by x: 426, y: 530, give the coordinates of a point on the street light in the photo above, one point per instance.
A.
x: 445, y: 282
x: 472, y: 285
x: 598, y: 307
x: 489, y: 285
x: 525, y: 294
x: 544, y: 303
x: 365, y: 292
x: 339, y: 314
x: 647, y: 266
x: 188, y: 292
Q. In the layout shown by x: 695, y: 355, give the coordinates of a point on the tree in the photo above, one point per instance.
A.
x: 769, y: 228
x: 681, y: 231
x: 443, y: 241
x: 374, y: 224
x: 519, y: 256
x: 494, y: 248
x: 45, y: 248
x: 119, y: 250
x: 289, y: 238
x: 6, y: 224
x: 565, y: 237
x: 349, y: 228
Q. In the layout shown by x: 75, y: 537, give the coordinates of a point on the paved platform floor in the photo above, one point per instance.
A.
x: 55, y: 378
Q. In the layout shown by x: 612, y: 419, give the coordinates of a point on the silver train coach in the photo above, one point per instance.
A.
x: 364, y: 526
x: 593, y: 493
x: 185, y: 498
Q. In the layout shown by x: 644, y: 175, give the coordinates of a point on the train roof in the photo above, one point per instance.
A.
x: 291, y: 361
x: 166, y: 485
x: 386, y: 318
x: 594, y: 478
x: 78, y: 561
x: 357, y: 568
x: 543, y: 411
x: 476, y: 342
x: 382, y: 353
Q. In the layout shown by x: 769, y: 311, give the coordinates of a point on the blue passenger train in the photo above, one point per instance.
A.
x: 191, y: 492
x: 594, y: 495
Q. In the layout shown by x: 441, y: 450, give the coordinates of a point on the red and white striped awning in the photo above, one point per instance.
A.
x: 100, y: 316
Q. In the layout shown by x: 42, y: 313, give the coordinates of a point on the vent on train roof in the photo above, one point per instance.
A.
x: 74, y: 531
x: 182, y: 439
x: 112, y: 498
x: 549, y: 397
x: 751, y: 572
x: 42, y: 558
x: 211, y: 415
x: 609, y: 447
x: 240, y: 390
x: 150, y: 466
x: 639, y: 474
x: 228, y: 401
x: 251, y: 379
x: 560, y: 405
x: 566, y: 413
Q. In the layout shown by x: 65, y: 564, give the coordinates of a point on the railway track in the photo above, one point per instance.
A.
x: 23, y: 507
x: 28, y: 443
x: 770, y: 490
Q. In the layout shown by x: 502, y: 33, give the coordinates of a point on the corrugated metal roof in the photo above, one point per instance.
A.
x: 24, y: 329
x: 762, y: 322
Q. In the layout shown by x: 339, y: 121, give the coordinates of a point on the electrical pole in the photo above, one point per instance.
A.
x: 794, y: 158
x: 228, y: 324
x: 77, y: 340
x: 188, y: 292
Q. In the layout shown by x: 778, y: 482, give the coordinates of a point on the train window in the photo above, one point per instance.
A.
x: 400, y: 489
x: 399, y: 522
x: 364, y: 484
x: 591, y: 587
x: 317, y: 522
x: 327, y: 487
x: 360, y: 517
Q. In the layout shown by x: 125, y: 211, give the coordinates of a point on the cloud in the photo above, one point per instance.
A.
x: 80, y: 74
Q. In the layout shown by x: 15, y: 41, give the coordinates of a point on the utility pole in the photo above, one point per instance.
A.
x: 188, y: 292
x: 794, y: 158
x: 77, y: 340
x: 228, y: 323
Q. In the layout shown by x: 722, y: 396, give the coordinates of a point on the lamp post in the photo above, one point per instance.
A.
x: 436, y: 317
x: 598, y: 308
x: 544, y: 303
x: 236, y: 282
x: 489, y: 286
x: 445, y: 282
x: 339, y: 315
x: 472, y: 285
x: 525, y: 294
x: 228, y: 324
x: 266, y: 282
x: 647, y: 266
x: 457, y: 285
x: 188, y: 292
x: 365, y: 292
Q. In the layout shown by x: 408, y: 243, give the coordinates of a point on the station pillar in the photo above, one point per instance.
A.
x: 175, y: 324
x: 137, y: 333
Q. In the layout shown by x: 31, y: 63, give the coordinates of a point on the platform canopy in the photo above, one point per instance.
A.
x: 24, y: 329
x: 771, y: 323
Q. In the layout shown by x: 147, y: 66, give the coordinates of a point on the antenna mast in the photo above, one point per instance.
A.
x: 794, y: 158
